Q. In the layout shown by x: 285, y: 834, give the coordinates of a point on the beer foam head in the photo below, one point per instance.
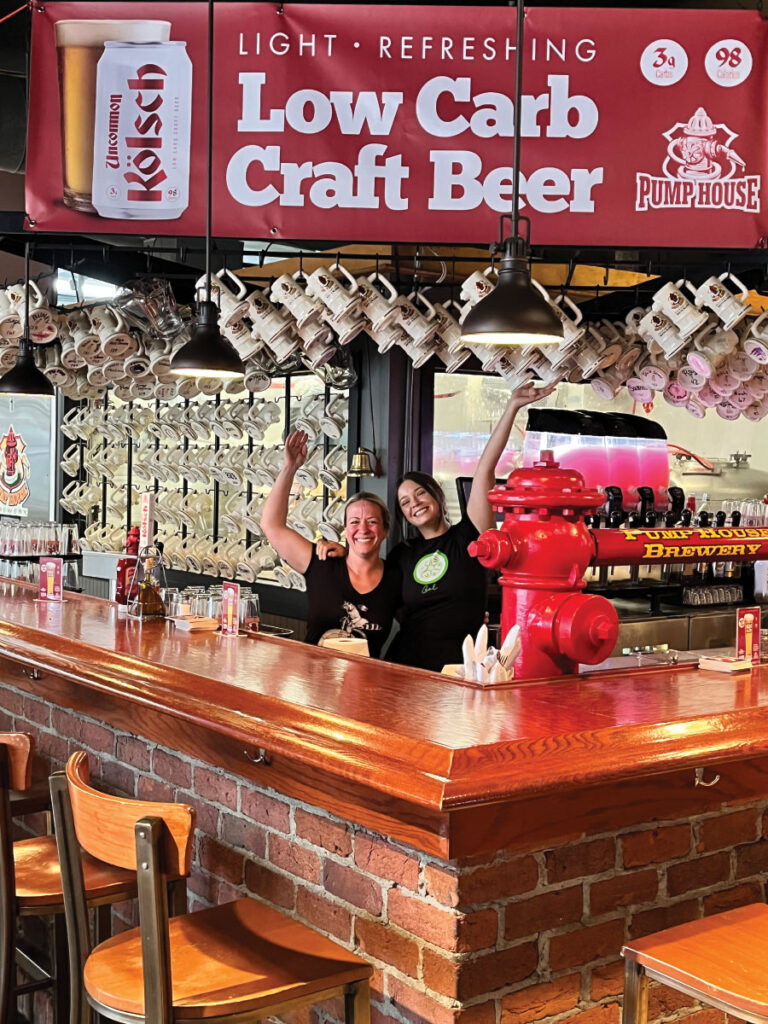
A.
x: 91, y: 32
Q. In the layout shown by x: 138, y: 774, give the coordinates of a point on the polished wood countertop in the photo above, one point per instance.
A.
x: 386, y: 731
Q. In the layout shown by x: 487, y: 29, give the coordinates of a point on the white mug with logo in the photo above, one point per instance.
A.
x: 710, y: 346
x: 669, y: 299
x: 11, y: 327
x: 479, y: 284
x: 379, y: 308
x: 713, y: 294
x: 287, y: 291
x: 229, y: 291
x: 656, y: 326
x: 336, y: 288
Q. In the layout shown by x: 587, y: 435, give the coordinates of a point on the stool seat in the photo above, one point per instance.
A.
x: 720, y: 959
x: 230, y: 959
x: 38, y: 877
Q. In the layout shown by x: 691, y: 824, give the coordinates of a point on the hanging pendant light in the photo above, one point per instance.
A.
x: 208, y: 353
x: 515, y: 312
x: 25, y: 378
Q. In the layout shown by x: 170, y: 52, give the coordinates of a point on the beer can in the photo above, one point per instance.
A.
x: 142, y: 131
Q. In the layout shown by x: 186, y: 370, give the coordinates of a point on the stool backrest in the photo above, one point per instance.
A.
x: 19, y: 747
x: 105, y: 824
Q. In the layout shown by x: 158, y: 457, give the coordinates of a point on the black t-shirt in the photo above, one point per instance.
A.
x: 335, y: 604
x: 444, y: 597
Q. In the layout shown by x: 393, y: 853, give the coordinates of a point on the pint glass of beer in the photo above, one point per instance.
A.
x: 80, y: 44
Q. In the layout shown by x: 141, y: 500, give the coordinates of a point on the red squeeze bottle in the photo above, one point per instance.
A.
x: 126, y: 567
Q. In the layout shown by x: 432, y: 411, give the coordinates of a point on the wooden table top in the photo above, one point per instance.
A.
x: 414, y: 735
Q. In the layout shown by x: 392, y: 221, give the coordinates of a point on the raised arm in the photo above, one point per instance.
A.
x: 290, y: 545
x: 478, y: 509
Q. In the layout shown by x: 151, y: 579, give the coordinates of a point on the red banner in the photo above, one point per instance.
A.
x: 392, y: 124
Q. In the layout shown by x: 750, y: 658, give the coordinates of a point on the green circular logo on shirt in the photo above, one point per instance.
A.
x: 430, y: 568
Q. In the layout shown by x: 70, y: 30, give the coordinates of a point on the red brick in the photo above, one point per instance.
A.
x: 238, y: 831
x: 623, y: 890
x: 708, y: 1015
x: 418, y: 1007
x: 448, y: 929
x: 387, y: 944
x: 480, y: 1013
x: 319, y: 912
x: 583, y: 945
x: 13, y: 702
x: 96, y: 737
x: 134, y: 752
x: 607, y: 1013
x: 65, y: 723
x: 211, y: 785
x: 656, y: 845
x: 294, y: 859
x: 538, y: 1001
x: 118, y: 777
x: 664, y: 1001
x: 270, y: 885
x: 498, y: 881
x: 737, y: 896
x: 206, y: 815
x: 728, y: 830
x: 54, y: 748
x: 386, y: 861
x: 580, y: 860
x: 607, y: 980
x: 540, y: 913
x: 37, y: 711
x: 330, y: 835
x: 752, y: 859
x: 465, y: 979
x: 221, y: 861
x: 152, y: 789
x: 441, y: 885
x: 171, y: 769
x: 656, y: 920
x: 213, y: 890
x: 265, y: 809
x: 348, y: 884
x: 700, y: 873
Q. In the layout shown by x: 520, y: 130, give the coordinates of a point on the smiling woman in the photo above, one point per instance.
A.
x: 357, y: 594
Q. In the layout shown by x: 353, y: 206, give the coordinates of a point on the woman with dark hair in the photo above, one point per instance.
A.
x: 358, y: 594
x: 444, y: 588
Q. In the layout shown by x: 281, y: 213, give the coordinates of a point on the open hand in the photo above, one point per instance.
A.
x: 295, y: 450
x: 530, y: 393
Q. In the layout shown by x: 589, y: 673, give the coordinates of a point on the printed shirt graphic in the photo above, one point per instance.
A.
x: 335, y: 604
x: 444, y: 597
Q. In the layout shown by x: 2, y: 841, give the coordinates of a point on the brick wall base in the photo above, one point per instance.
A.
x: 505, y: 940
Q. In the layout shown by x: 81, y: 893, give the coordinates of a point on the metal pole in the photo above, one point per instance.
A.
x: 518, y: 104
x: 209, y: 180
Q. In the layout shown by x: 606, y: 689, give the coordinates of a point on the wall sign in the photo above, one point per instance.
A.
x: 377, y: 123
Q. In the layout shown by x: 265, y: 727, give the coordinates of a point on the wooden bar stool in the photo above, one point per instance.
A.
x: 30, y: 885
x: 719, y: 960
x: 238, y: 962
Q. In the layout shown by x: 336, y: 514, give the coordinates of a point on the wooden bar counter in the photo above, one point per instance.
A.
x: 488, y: 850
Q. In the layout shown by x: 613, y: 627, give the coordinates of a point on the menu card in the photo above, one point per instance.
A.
x: 147, y: 520
x: 230, y: 609
x: 748, y: 634
x: 50, y: 579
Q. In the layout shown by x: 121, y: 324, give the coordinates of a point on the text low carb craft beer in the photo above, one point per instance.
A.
x: 80, y: 45
x: 142, y: 131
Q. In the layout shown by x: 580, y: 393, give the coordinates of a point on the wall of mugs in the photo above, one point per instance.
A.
x: 211, y: 463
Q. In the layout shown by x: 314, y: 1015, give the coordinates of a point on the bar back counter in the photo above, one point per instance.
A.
x: 488, y: 850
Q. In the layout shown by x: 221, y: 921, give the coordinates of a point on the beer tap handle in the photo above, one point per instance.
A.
x: 686, y: 516
x: 676, y: 500
x: 703, y: 519
x: 614, y: 507
x: 634, y: 520
x: 720, y: 519
x: 593, y: 521
x: 646, y: 510
x: 670, y: 519
x: 735, y: 517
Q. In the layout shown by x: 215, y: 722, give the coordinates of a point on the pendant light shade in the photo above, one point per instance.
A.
x: 25, y: 378
x: 514, y: 313
x: 207, y: 353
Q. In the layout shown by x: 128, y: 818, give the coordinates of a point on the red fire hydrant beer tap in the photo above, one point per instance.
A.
x: 543, y: 550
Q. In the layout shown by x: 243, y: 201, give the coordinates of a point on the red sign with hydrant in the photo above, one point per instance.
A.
x: 388, y: 123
